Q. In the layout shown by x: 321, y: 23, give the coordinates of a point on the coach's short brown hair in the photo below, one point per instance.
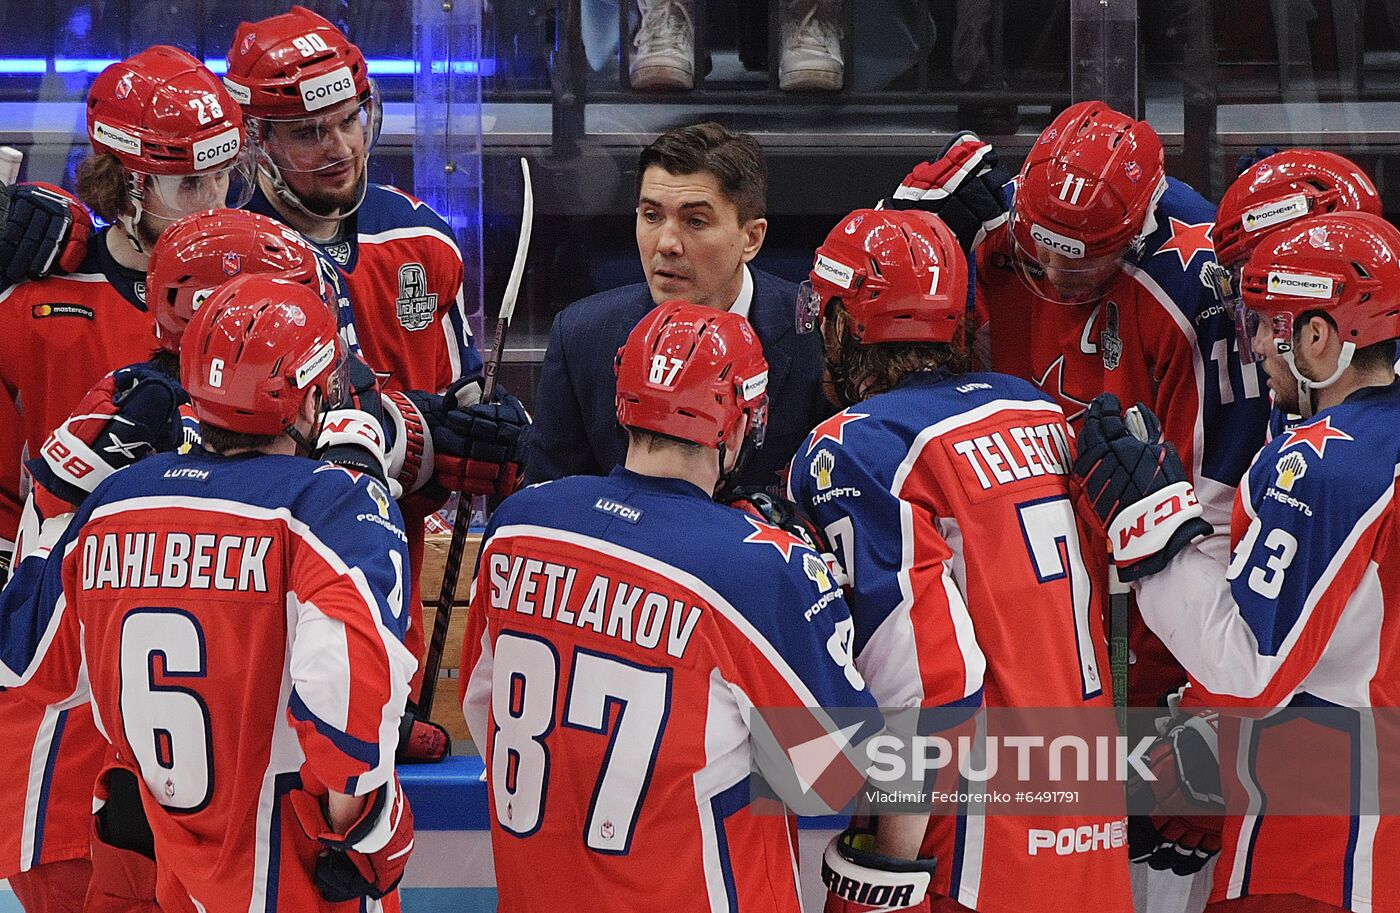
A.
x: 735, y: 160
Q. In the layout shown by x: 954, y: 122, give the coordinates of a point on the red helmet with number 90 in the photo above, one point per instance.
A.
x: 1082, y: 200
x: 256, y: 350
x: 203, y: 251
x: 693, y: 373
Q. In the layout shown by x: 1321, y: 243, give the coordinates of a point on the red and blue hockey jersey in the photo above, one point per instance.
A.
x: 404, y: 276
x: 1159, y: 335
x: 946, y: 500
x: 1305, y: 616
x: 237, y: 622
x: 61, y: 335
x: 622, y: 630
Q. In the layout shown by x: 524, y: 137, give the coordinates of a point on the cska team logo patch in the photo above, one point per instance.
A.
x: 232, y: 263
x: 416, y: 305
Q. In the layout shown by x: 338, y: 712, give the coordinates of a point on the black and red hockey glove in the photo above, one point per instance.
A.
x: 367, y: 860
x: 45, y: 231
x: 963, y: 187
x: 478, y: 447
x: 1178, y: 818
x: 1131, y: 484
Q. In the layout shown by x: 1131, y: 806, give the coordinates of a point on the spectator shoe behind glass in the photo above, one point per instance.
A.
x: 811, y: 52
x: 663, y: 51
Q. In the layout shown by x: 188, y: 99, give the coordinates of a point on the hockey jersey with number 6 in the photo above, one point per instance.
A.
x: 622, y: 630
x: 946, y: 500
x: 238, y: 621
x: 1308, y: 615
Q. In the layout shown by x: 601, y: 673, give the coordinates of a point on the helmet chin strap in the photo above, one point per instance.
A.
x: 1306, y: 385
x: 285, y: 193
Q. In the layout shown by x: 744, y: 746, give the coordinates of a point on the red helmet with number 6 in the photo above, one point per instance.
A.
x: 203, y: 251
x: 693, y: 373
x: 900, y: 275
x: 256, y: 350
x: 1286, y: 186
x: 1083, y: 198
x: 1346, y: 264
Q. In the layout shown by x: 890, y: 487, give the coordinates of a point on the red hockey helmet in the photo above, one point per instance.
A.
x: 1286, y: 186
x: 900, y: 275
x: 175, y: 129
x: 1083, y: 199
x: 255, y: 350
x: 203, y: 251
x: 1345, y: 264
x: 693, y: 373
x: 302, y: 85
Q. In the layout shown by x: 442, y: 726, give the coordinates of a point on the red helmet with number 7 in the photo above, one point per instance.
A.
x: 1282, y: 188
x: 201, y: 252
x: 900, y: 275
x: 693, y: 373
x: 1083, y: 199
x: 256, y: 350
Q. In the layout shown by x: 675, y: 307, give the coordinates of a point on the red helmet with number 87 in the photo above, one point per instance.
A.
x: 201, y: 252
x: 694, y: 373
x: 256, y: 350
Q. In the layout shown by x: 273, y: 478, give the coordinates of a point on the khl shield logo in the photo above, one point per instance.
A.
x: 415, y: 303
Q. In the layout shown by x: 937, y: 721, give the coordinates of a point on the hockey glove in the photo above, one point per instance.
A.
x: 1246, y: 162
x: 46, y: 230
x: 369, y: 858
x: 132, y: 412
x: 478, y: 448
x: 858, y: 879
x: 354, y: 440
x: 421, y: 741
x: 963, y: 187
x: 1130, y: 483
x: 1182, y: 832
x: 787, y: 516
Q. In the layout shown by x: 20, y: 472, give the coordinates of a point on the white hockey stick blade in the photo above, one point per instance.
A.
x: 522, y: 246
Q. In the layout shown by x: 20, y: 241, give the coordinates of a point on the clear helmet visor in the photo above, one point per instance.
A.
x: 1225, y: 282
x: 1058, y: 278
x: 808, y: 307
x: 322, y: 142
x: 174, y: 196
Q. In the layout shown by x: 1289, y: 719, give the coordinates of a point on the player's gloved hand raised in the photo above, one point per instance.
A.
x: 369, y: 858
x: 1246, y: 162
x: 1130, y: 483
x: 130, y: 413
x: 963, y: 187
x: 478, y: 447
x: 1178, y: 822
x: 787, y: 516
x: 45, y: 231
x: 858, y: 879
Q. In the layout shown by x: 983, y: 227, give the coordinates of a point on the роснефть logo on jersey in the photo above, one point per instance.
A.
x: 416, y: 305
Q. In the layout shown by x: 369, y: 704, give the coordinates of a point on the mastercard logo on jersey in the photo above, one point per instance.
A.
x: 40, y: 311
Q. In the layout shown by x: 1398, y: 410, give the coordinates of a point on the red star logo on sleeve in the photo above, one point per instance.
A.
x: 1316, y: 436
x: 1053, y: 382
x: 1187, y: 240
x: 833, y: 428
x: 780, y: 539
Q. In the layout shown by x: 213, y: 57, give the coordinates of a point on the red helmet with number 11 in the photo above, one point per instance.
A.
x: 1083, y: 199
x: 693, y: 373
x: 256, y: 350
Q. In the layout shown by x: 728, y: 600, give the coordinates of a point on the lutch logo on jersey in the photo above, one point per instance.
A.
x: 618, y: 509
x: 416, y: 305
x: 323, y: 91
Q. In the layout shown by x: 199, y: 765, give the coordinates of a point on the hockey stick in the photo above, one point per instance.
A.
x: 432, y: 663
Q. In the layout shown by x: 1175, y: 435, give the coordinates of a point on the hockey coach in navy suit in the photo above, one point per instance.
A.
x: 701, y: 198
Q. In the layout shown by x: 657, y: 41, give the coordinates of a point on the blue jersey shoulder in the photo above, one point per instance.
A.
x: 386, y: 208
